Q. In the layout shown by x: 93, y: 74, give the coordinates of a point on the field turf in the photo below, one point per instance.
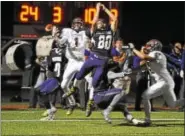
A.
x: 27, y: 123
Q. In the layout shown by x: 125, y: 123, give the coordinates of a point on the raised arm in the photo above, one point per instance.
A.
x: 96, y: 17
x: 142, y: 55
x: 114, y: 20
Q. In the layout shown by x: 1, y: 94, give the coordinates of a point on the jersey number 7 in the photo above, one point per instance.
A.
x: 104, y: 42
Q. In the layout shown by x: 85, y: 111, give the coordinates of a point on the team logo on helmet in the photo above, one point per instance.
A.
x: 153, y: 45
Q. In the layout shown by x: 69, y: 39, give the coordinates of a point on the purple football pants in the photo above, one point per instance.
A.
x: 106, y: 96
x: 89, y: 65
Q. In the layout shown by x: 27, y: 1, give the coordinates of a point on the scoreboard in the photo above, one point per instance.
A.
x: 37, y: 14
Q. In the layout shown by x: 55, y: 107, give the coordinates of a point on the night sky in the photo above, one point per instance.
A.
x: 140, y: 21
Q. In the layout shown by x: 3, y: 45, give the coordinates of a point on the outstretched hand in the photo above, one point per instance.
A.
x: 103, y: 6
x: 98, y: 5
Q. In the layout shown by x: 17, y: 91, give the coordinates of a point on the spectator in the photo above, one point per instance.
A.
x: 182, y: 94
x: 176, y: 54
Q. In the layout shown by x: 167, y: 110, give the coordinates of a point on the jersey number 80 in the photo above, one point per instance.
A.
x: 104, y: 42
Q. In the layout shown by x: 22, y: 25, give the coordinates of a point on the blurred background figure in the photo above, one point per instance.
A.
x: 176, y: 54
x: 143, y: 81
x: 182, y: 94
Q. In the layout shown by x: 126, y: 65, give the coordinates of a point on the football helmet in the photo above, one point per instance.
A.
x: 153, y: 45
x: 77, y: 24
x: 101, y: 24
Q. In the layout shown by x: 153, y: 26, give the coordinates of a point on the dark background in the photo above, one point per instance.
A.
x: 139, y: 21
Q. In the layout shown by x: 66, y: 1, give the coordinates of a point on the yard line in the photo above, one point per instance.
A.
x: 156, y: 112
x: 83, y: 120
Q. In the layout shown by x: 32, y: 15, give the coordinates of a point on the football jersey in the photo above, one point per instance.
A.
x: 102, y: 43
x: 56, y: 60
x: 77, y: 41
x: 159, y: 66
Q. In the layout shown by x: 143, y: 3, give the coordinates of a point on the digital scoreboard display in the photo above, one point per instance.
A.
x: 59, y: 13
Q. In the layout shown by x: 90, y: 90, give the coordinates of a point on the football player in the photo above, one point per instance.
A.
x: 54, y: 63
x: 164, y: 85
x: 76, y: 39
x: 108, y: 96
x: 102, y: 37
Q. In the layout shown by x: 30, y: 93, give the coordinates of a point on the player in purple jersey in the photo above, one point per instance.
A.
x: 102, y: 37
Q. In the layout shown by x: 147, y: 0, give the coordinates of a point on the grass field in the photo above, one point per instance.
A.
x: 27, y: 123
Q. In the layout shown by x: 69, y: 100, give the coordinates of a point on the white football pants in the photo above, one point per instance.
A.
x: 164, y: 88
x: 72, y: 67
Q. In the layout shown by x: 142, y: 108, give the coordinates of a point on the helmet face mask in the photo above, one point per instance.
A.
x: 77, y: 24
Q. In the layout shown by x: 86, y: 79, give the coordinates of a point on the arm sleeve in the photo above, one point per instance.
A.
x: 114, y: 52
x: 136, y: 62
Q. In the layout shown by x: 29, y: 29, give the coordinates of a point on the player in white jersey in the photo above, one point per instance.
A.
x: 76, y: 38
x: 164, y: 85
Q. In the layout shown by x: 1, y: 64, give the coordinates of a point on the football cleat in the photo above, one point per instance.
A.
x: 136, y: 121
x: 47, y: 112
x: 89, y: 108
x: 70, y: 110
x: 67, y: 94
x: 145, y: 123
x: 51, y: 116
x: 106, y: 116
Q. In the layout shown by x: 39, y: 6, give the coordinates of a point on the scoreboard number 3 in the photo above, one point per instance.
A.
x: 57, y: 14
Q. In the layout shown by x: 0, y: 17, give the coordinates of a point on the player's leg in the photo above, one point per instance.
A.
x: 78, y: 65
x: 128, y: 116
x: 170, y: 97
x: 50, y: 111
x: 152, y: 92
x: 49, y: 87
x: 70, y: 91
x: 117, y: 94
x: 33, y: 97
x: 69, y: 72
x: 84, y: 70
x: 97, y: 77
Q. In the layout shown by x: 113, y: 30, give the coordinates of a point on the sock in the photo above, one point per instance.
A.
x: 147, y: 108
x: 109, y: 108
x: 91, y: 93
x: 75, y: 83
